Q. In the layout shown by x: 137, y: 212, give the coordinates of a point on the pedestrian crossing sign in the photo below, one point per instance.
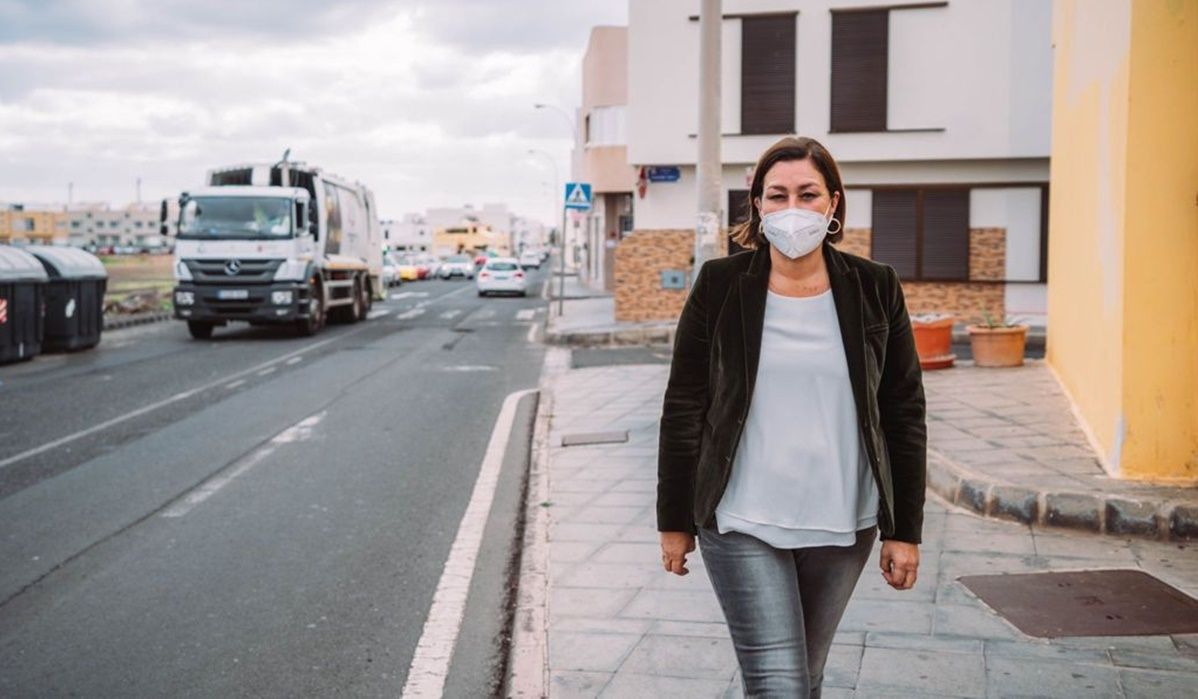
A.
x: 578, y: 196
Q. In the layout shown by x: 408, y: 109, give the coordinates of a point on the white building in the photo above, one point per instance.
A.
x: 523, y: 232
x: 412, y: 233
x: 938, y: 113
x: 136, y: 225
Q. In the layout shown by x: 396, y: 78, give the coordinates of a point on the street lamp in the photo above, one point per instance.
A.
x: 561, y: 284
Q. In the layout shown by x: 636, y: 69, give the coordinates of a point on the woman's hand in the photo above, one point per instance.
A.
x: 674, y: 547
x: 900, y: 561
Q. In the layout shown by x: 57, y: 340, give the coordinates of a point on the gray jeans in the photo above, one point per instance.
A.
x: 782, y: 606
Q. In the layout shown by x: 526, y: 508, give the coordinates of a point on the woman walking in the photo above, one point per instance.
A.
x: 793, y: 430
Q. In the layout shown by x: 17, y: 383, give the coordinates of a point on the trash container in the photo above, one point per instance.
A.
x: 74, y: 297
x: 22, y: 283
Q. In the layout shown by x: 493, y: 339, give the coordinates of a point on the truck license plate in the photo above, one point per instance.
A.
x: 233, y: 294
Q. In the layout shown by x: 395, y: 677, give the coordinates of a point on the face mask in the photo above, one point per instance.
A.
x: 796, y: 232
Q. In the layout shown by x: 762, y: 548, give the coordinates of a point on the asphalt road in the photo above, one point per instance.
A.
x: 259, y: 514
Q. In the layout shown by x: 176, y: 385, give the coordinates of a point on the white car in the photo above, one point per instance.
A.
x: 390, y: 270
x: 502, y: 274
x: 530, y: 258
x: 456, y: 265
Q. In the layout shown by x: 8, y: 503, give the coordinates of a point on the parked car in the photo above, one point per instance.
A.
x: 390, y: 271
x: 422, y: 269
x: 433, y: 264
x: 407, y: 270
x: 530, y: 258
x: 457, y: 266
x: 502, y: 274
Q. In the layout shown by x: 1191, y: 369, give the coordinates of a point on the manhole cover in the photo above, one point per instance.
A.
x: 587, y: 438
x: 1087, y: 603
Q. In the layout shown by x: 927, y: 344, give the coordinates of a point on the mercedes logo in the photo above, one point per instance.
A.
x: 232, y: 267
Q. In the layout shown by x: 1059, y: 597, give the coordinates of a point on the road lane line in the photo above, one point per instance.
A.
x: 298, y: 432
x: 449, y: 315
x: 408, y: 315
x: 525, y: 314
x: 377, y: 313
x: 165, y: 402
x: 54, y: 444
x: 267, y: 370
x: 294, y: 360
x: 532, y: 333
x: 430, y: 663
x: 235, y: 384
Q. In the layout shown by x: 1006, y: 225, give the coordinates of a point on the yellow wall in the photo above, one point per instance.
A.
x: 1123, y: 230
x: 47, y: 225
x: 1160, y: 333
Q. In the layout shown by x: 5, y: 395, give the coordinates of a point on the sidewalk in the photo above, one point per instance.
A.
x: 615, y: 625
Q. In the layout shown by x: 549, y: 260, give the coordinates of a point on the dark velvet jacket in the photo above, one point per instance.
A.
x: 716, y: 351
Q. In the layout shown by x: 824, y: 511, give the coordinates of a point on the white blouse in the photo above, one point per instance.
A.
x: 800, y: 477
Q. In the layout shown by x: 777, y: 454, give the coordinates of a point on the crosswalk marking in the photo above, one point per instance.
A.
x: 448, y: 315
x: 407, y: 315
x: 525, y: 314
x: 409, y: 295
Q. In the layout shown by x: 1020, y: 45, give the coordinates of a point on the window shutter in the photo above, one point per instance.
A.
x: 894, y: 227
x: 860, y: 48
x: 767, y: 77
x: 945, y: 234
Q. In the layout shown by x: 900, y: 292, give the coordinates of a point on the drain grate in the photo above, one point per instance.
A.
x: 1087, y: 603
x: 588, y: 438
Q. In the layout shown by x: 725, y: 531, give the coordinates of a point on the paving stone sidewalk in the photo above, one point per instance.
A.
x: 617, y: 626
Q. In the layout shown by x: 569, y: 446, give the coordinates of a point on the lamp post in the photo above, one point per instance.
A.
x: 561, y: 264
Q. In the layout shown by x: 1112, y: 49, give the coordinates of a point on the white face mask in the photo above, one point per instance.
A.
x: 796, y: 232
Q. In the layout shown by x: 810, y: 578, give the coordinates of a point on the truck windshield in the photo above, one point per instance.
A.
x: 236, y: 217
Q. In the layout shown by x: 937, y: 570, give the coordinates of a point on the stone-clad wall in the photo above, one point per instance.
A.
x: 967, y: 301
x: 641, y: 257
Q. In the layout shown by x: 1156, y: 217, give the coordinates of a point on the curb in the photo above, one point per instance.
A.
x: 118, y: 322
x: 1111, y: 515
x: 528, y: 657
x: 620, y: 337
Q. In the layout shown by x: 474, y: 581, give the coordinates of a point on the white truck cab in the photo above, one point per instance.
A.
x: 276, y: 244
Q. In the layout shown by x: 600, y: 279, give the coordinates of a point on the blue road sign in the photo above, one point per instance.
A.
x: 578, y: 196
x: 663, y: 173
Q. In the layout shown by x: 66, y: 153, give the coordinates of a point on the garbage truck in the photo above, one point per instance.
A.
x: 280, y: 244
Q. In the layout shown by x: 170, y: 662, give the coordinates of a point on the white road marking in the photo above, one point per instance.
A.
x: 532, y: 333
x: 469, y: 367
x: 377, y: 313
x: 294, y: 360
x: 267, y: 370
x: 524, y: 314
x: 406, y: 315
x: 298, y: 432
x: 447, y: 315
x: 410, y: 295
x: 485, y: 313
x: 159, y: 404
x: 235, y: 384
x: 430, y: 664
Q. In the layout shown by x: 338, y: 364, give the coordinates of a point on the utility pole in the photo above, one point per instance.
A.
x: 709, y: 169
x: 139, y: 191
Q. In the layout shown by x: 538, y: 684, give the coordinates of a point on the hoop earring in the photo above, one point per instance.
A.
x: 838, y: 226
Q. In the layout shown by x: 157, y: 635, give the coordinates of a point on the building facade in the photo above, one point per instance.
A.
x: 22, y: 224
x: 1123, y: 304
x: 137, y: 225
x: 938, y: 113
x: 601, y: 154
x: 409, y: 234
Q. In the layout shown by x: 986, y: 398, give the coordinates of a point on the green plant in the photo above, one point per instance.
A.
x: 990, y: 323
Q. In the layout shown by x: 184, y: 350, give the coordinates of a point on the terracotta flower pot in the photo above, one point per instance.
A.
x: 999, y: 346
x: 933, y: 342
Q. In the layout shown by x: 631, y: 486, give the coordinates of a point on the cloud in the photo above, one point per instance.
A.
x: 426, y: 111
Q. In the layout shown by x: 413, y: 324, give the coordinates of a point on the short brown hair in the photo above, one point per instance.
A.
x: 748, y: 234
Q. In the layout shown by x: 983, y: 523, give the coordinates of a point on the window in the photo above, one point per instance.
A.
x: 605, y: 126
x: 767, y: 74
x: 922, y: 233
x: 861, y: 68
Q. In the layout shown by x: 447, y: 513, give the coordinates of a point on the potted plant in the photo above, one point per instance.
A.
x: 933, y: 340
x: 997, y: 343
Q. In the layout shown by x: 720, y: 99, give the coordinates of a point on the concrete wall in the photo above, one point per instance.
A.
x: 1123, y: 303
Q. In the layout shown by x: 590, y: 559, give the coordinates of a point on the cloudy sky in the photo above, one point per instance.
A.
x: 429, y: 102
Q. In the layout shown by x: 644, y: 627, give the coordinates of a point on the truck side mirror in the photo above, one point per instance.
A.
x: 313, y: 223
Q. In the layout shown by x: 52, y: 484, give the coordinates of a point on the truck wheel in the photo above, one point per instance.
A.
x: 315, y: 321
x: 367, y: 297
x: 199, y: 329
